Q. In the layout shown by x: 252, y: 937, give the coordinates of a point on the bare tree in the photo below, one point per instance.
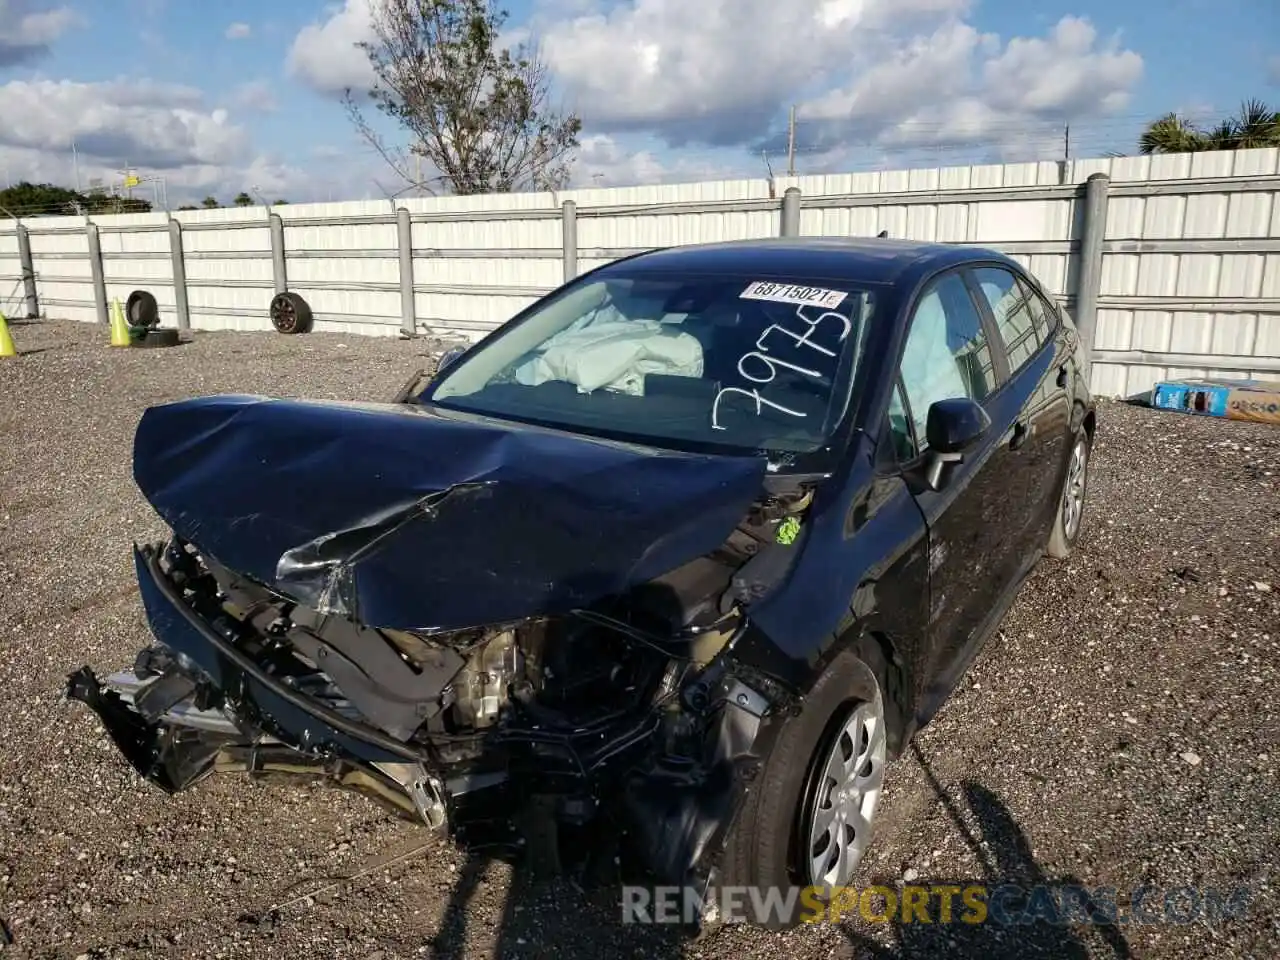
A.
x: 480, y: 116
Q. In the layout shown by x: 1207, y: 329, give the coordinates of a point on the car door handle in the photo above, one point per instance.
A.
x: 1019, y: 435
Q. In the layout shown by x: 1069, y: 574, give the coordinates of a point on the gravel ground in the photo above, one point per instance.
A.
x: 1121, y: 729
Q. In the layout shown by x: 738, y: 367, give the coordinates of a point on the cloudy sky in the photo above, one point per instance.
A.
x: 243, y: 94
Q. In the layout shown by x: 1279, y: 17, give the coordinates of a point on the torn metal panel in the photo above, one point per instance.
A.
x: 321, y: 572
x: 683, y: 805
x: 172, y: 757
x: 407, y: 518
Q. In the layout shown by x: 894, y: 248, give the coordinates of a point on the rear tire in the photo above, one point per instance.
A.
x: 1070, y: 516
x: 770, y: 845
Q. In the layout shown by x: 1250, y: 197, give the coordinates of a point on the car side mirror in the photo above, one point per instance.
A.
x: 953, y: 428
x: 448, y: 358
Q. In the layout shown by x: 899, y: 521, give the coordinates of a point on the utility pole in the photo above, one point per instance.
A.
x: 791, y: 143
x: 1066, y: 142
x: 75, y: 162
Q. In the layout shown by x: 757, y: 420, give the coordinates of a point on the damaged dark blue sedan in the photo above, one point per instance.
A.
x: 689, y: 548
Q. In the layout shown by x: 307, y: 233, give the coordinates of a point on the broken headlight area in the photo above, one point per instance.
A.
x: 636, y: 711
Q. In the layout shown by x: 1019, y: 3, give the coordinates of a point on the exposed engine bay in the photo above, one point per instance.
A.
x: 550, y: 674
x: 635, y: 704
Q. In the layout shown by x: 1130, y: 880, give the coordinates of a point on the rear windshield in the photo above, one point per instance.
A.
x: 757, y: 364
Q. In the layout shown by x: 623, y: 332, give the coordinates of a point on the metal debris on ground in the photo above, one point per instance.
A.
x: 419, y: 845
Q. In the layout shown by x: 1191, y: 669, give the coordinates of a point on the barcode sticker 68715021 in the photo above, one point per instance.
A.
x: 793, y: 293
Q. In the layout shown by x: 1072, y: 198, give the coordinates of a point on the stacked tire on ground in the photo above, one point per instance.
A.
x: 142, y: 314
x: 290, y: 314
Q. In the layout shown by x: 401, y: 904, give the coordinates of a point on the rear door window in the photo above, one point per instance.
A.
x: 1015, y: 322
x: 1042, y: 315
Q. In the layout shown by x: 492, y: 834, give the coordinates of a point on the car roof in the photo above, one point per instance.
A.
x: 862, y: 259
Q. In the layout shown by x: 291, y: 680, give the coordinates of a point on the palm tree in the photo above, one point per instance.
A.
x: 1172, y: 134
x: 1256, y: 125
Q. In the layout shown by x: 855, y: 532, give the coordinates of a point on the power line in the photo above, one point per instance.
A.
x: 858, y: 144
x: 1109, y: 120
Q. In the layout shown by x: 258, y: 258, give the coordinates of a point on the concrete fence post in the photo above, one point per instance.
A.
x: 28, y: 272
x: 791, y: 212
x: 1089, y: 276
x: 278, y: 272
x: 569, y: 236
x: 408, y: 302
x: 99, y: 278
x: 178, y: 258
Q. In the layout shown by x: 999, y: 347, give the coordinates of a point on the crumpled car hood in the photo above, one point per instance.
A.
x: 403, y: 517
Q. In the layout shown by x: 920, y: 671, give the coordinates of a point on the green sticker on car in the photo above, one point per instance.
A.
x: 788, y: 530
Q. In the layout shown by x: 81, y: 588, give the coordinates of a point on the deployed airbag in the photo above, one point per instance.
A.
x: 614, y: 355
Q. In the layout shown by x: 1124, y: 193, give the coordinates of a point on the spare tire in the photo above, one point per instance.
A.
x: 158, y: 337
x: 141, y: 309
x: 290, y: 313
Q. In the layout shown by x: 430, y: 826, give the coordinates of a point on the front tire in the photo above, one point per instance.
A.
x: 1070, y: 516
x: 809, y: 818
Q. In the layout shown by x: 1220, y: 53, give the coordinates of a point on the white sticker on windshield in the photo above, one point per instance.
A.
x: 793, y: 293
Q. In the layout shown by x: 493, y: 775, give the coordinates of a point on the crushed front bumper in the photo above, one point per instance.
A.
x: 175, y: 737
x: 222, y: 712
x: 172, y: 753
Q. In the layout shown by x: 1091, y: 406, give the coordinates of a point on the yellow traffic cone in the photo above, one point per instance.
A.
x: 119, y: 329
x: 6, y: 341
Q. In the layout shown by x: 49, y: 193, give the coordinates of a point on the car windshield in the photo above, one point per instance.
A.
x: 760, y: 364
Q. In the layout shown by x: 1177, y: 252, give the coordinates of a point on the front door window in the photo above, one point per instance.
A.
x: 947, y: 354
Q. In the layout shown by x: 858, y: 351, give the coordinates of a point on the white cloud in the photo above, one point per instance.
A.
x: 255, y: 96
x: 717, y: 71
x: 324, y: 54
x: 1065, y: 73
x: 159, y: 129
x: 187, y: 184
x: 270, y: 178
x: 239, y: 31
x: 914, y: 73
x: 861, y: 70
x: 888, y: 75
x: 28, y: 27
x: 957, y: 87
x: 142, y: 122
x: 873, y: 79
x: 601, y: 161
